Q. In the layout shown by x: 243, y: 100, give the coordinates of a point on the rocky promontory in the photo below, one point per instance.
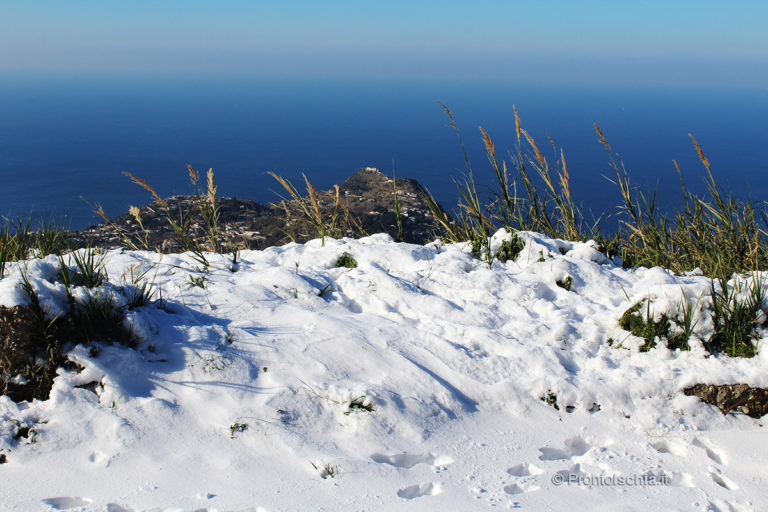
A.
x: 365, y: 203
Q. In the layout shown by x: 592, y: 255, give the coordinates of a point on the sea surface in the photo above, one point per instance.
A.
x: 65, y: 140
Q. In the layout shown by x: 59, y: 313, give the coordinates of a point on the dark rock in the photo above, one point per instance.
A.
x: 732, y: 398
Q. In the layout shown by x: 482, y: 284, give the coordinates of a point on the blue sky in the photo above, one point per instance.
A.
x: 680, y: 41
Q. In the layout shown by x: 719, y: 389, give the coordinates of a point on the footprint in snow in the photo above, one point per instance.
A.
x: 670, y: 446
x: 574, y: 447
x: 713, y: 453
x: 728, y: 506
x: 114, y: 507
x: 520, y: 488
x: 417, y: 491
x: 723, y: 481
x: 513, y: 489
x: 525, y: 474
x: 525, y: 470
x: 407, y: 461
x: 66, y: 502
x: 99, y: 458
x: 681, y: 479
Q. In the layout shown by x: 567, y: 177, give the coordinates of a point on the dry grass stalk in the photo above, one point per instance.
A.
x: 603, y: 140
x: 125, y: 237
x: 101, y: 213
x: 311, y: 209
x: 143, y: 184
x: 135, y: 213
x: 703, y: 158
x: 488, y: 143
x: 211, y: 189
x: 194, y: 177
x: 313, y: 197
x: 539, y: 156
x: 564, y: 178
x: 551, y: 142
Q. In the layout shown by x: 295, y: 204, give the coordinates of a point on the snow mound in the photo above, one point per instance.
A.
x: 423, y: 376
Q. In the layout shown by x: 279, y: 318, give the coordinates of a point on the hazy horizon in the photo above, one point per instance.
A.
x: 685, y: 43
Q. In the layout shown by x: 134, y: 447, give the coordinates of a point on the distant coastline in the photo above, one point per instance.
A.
x: 368, y: 194
x: 64, y: 144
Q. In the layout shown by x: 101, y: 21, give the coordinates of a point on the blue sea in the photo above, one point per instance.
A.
x: 65, y: 140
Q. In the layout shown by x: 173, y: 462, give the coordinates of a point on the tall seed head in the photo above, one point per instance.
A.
x: 143, y: 184
x: 312, y: 196
x: 488, y: 144
x: 211, y: 188
x: 603, y: 141
x: 539, y: 156
x: 135, y: 213
x: 100, y: 212
x: 193, y: 176
x: 703, y: 158
x: 565, y: 167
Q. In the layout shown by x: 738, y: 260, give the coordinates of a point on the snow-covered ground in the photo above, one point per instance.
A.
x: 238, y: 395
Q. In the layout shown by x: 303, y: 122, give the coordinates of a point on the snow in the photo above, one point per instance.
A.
x: 238, y: 394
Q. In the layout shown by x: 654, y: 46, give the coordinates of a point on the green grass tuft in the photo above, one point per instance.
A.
x: 565, y: 284
x: 550, y: 399
x: 736, y: 317
x: 644, y: 326
x: 361, y: 403
x: 346, y: 260
x: 19, y: 241
x: 236, y: 428
x: 196, y: 281
x: 510, y: 249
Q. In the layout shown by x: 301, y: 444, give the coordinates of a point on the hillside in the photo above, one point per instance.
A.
x: 420, y: 377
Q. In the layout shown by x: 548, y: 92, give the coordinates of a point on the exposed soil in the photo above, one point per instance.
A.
x: 24, y: 372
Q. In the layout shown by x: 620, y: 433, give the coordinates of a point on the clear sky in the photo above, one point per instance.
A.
x: 675, y: 41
